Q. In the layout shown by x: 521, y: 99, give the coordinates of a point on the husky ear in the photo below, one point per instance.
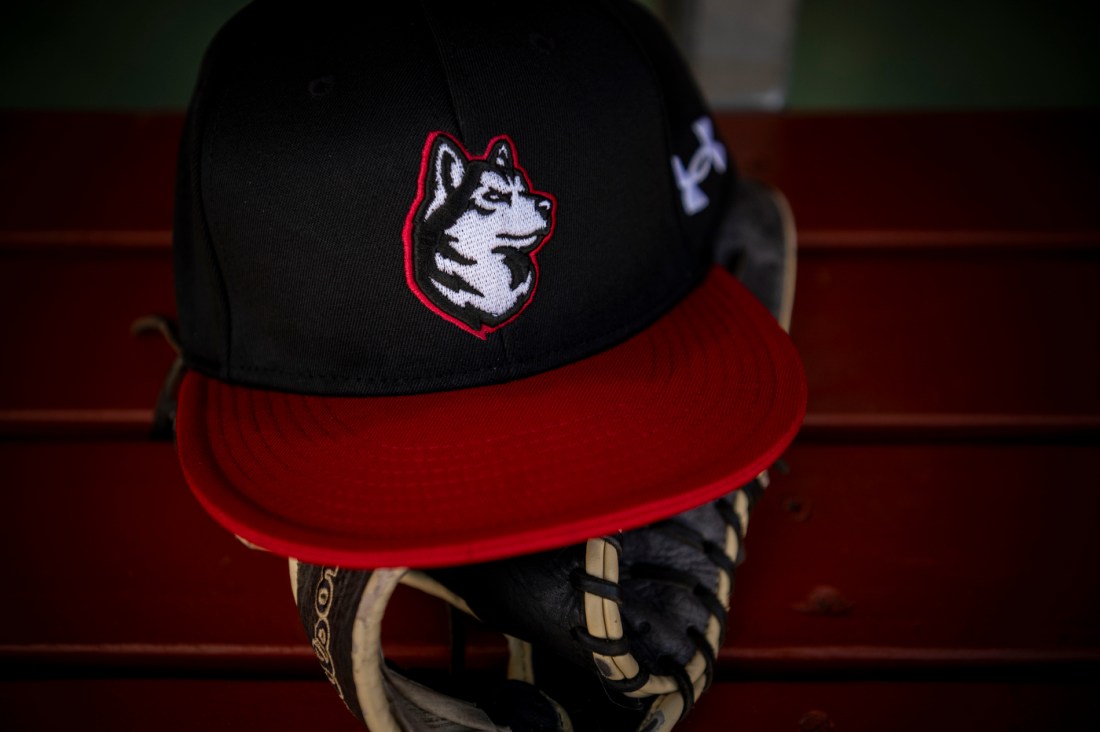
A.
x: 502, y: 156
x: 447, y: 166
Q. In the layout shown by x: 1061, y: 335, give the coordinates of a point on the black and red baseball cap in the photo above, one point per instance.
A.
x: 446, y: 285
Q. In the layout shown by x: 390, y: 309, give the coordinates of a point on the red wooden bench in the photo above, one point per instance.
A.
x: 928, y: 562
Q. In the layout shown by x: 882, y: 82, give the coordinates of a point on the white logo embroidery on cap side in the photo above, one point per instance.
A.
x: 710, y: 155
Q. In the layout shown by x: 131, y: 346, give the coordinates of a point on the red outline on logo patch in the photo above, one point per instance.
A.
x: 406, y: 232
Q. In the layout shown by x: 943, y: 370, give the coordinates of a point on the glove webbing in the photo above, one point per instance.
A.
x: 676, y: 687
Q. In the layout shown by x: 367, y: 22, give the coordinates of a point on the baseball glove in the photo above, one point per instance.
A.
x: 618, y: 633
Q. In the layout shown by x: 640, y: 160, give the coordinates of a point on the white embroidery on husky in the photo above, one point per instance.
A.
x: 710, y: 155
x: 473, y: 233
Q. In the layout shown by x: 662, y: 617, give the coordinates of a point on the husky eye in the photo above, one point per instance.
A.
x: 497, y: 197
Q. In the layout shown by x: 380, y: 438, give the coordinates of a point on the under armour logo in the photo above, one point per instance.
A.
x: 710, y: 156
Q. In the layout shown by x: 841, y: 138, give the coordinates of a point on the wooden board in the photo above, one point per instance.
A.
x: 971, y: 172
x: 929, y: 548
x: 169, y: 705
x: 976, y: 333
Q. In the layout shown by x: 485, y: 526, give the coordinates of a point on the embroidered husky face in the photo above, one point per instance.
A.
x: 472, y: 234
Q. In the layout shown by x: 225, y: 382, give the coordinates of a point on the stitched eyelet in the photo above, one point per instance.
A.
x: 542, y: 43
x: 321, y: 86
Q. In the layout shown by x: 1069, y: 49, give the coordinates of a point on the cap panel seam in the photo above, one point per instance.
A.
x: 647, y: 60
x: 437, y: 44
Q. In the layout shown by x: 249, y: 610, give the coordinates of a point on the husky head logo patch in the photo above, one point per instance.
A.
x: 473, y: 232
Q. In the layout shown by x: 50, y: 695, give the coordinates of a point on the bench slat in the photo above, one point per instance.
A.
x: 185, y: 705
x: 968, y: 546
x: 879, y: 333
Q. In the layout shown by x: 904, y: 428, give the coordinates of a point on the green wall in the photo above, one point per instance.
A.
x: 863, y: 54
x: 936, y: 53
x: 109, y: 54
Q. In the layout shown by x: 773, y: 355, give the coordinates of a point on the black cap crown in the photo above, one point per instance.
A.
x: 443, y: 195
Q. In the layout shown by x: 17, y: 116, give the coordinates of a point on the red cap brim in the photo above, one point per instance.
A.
x: 689, y: 409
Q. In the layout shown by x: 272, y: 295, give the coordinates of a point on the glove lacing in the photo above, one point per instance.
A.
x: 673, y: 684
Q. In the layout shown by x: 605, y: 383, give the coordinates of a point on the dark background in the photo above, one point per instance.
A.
x: 847, y: 54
